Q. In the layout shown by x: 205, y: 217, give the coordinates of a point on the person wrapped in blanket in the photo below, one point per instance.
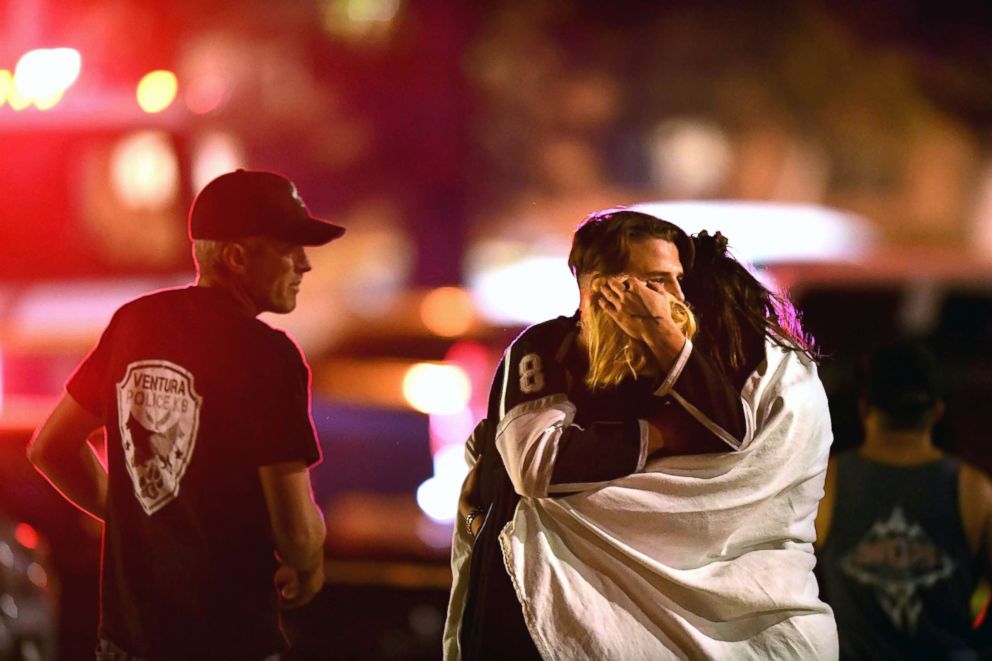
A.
x: 641, y: 488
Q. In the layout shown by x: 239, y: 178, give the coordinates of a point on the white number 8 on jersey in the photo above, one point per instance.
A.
x: 531, y: 376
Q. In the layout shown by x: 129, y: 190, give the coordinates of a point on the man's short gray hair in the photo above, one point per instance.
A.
x: 207, y: 255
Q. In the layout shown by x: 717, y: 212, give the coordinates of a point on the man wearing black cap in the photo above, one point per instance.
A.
x: 206, y: 495
x: 904, y: 530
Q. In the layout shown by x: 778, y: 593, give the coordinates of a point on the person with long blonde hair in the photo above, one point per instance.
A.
x: 614, y: 355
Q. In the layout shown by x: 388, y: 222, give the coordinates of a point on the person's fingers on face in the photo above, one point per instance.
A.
x: 598, y: 289
x: 617, y: 284
x: 654, y: 290
x: 638, y: 286
x: 654, y: 286
x: 673, y: 289
x: 607, y: 301
x: 612, y: 311
x: 611, y: 297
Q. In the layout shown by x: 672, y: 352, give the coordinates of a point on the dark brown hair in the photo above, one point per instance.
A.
x: 601, y: 244
x: 735, y: 311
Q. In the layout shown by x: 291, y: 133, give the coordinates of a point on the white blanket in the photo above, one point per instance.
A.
x: 706, y: 556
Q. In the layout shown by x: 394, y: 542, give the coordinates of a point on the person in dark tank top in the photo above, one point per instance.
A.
x: 904, y: 530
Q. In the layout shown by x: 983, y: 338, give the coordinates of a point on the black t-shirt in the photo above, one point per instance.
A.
x: 195, y: 396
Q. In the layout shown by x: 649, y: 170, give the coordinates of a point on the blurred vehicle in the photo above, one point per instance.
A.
x: 941, y: 296
x: 28, y: 623
x: 93, y: 193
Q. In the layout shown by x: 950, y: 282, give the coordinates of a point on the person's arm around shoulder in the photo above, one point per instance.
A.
x: 825, y: 514
x: 59, y: 451
x: 975, y: 503
x: 298, y: 530
x: 643, y: 311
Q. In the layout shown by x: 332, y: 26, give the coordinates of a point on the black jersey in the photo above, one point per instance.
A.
x: 195, y: 396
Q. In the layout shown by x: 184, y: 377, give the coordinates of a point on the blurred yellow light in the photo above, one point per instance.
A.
x: 438, y: 389
x: 447, y: 311
x: 48, y: 102
x: 9, y: 92
x: 371, y: 10
x: 44, y: 73
x: 145, y: 171
x: 157, y: 90
x: 214, y: 154
x: 360, y: 19
x: 6, y: 85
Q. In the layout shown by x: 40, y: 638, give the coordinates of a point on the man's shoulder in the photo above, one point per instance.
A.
x: 276, y: 339
x: 259, y: 336
x: 150, y: 306
x: 546, y: 335
x: 155, y: 299
x: 973, y: 477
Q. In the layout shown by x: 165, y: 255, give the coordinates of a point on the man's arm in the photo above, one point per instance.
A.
x: 470, y: 498
x: 825, y: 513
x: 706, y: 393
x: 545, y: 454
x: 298, y: 530
x: 59, y: 451
x: 975, y: 503
x: 712, y: 415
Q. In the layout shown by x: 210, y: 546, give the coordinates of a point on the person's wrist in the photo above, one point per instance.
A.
x: 656, y: 440
x: 314, y: 564
x: 665, y: 346
x: 470, y: 519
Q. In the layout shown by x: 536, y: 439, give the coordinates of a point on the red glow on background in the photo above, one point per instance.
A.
x: 447, y: 311
x: 26, y: 536
x: 474, y: 358
x: 206, y: 93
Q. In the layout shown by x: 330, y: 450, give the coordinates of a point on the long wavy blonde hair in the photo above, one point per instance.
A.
x: 614, y: 355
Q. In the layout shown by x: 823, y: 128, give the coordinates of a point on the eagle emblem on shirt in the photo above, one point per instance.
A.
x: 158, y: 412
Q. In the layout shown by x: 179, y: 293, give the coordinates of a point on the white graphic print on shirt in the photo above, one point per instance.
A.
x: 159, y: 413
x: 898, y: 559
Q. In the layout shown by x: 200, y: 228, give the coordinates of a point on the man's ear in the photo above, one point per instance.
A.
x: 863, y: 409
x: 937, y: 412
x: 584, y: 293
x: 235, y: 257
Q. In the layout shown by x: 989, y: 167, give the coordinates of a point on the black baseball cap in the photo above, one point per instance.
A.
x: 251, y: 202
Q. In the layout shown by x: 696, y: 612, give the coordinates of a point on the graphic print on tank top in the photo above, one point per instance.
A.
x: 159, y: 413
x: 898, y: 559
